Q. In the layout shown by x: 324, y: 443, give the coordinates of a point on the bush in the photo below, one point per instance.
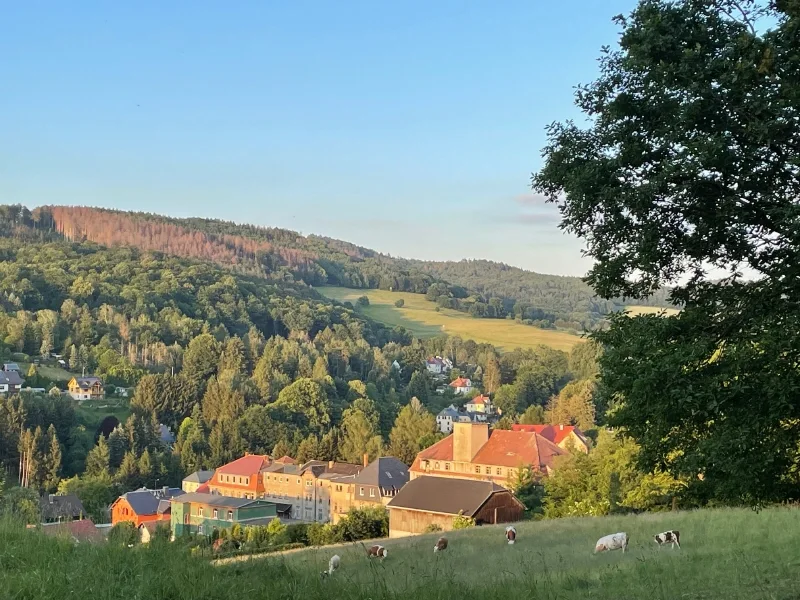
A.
x: 400, y: 303
x: 363, y: 301
x: 298, y: 533
x: 433, y: 528
x: 461, y: 521
x: 123, y: 534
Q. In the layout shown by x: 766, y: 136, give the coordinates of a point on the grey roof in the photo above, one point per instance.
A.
x: 318, y: 467
x: 165, y: 434
x: 60, y: 507
x: 386, y: 472
x: 10, y: 367
x: 11, y: 378
x: 146, y: 502
x: 217, y: 500
x: 450, y: 411
x: 446, y: 495
x: 199, y: 476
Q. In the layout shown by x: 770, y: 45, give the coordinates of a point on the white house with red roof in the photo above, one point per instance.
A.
x: 462, y: 385
x: 480, y: 404
x: 563, y: 436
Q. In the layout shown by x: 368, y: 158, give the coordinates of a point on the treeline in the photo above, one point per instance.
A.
x: 483, y: 289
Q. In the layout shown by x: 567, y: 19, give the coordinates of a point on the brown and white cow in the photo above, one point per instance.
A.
x: 673, y: 536
x: 615, y: 541
x: 441, y: 544
x: 377, y: 550
x: 511, y: 534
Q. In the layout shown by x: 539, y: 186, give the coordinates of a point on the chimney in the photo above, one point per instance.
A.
x: 561, y: 427
x: 165, y: 490
x: 50, y: 498
x: 468, y: 438
x: 330, y: 465
x: 366, y: 459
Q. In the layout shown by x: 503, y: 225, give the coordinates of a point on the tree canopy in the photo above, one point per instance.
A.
x: 687, y: 176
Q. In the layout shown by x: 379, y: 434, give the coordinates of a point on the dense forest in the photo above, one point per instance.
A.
x: 481, y: 288
x: 231, y: 363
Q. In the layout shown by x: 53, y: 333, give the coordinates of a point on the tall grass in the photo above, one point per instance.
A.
x: 728, y: 554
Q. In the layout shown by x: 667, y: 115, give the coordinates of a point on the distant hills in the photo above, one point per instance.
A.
x: 479, y: 287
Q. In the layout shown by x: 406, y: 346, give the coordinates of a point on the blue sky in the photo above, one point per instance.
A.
x: 411, y: 128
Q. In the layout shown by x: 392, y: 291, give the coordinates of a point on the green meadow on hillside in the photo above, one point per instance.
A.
x: 649, y: 310
x: 726, y: 553
x: 419, y: 316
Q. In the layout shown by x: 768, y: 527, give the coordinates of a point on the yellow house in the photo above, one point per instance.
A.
x: 86, y: 388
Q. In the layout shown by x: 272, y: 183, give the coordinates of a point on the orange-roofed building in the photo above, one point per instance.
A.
x: 240, y: 478
x: 461, y: 385
x: 475, y: 452
x: 563, y: 436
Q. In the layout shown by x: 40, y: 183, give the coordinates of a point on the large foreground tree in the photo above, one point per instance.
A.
x: 688, y: 175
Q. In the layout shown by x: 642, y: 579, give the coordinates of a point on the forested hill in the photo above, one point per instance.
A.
x: 483, y: 288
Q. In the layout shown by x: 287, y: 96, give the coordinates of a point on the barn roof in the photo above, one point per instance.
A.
x: 445, y: 495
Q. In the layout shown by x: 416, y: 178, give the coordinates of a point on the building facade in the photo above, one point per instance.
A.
x: 192, y: 482
x: 473, y: 452
x: 201, y: 514
x: 86, y: 388
x: 376, y: 485
x: 143, y: 505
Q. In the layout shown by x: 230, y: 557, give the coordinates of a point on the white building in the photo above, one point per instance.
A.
x: 462, y: 385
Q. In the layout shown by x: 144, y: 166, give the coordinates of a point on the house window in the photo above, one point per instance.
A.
x: 199, y: 511
x: 186, y: 519
x: 477, y: 469
x: 230, y: 515
x: 426, y: 464
x: 436, y: 466
x: 309, y: 483
x: 215, y: 513
x: 488, y: 470
x: 247, y: 481
x: 446, y: 466
x: 298, y: 481
x: 372, y: 492
x: 499, y: 471
x: 361, y: 491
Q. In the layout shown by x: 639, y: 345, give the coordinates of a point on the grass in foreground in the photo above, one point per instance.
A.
x: 731, y: 554
x: 419, y: 316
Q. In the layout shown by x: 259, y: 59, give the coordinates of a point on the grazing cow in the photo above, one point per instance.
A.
x: 377, y: 550
x: 333, y: 564
x: 511, y: 534
x: 614, y: 541
x: 441, y: 544
x: 672, y: 536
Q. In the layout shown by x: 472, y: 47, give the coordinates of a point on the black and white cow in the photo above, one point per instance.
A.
x: 669, y: 537
x: 511, y: 534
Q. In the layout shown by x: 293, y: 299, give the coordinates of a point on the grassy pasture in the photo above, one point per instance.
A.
x: 726, y: 553
x: 649, y: 310
x: 419, y: 316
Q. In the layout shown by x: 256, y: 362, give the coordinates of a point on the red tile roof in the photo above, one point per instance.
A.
x: 79, y: 531
x: 481, y: 399
x: 203, y: 488
x: 248, y: 465
x: 554, y: 433
x: 286, y: 460
x: 503, y: 449
x: 460, y: 382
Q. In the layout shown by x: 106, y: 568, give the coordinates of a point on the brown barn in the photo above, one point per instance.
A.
x: 427, y: 501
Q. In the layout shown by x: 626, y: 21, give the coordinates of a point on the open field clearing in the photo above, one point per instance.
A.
x: 731, y: 554
x: 419, y: 316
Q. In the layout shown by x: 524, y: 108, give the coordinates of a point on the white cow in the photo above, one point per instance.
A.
x: 333, y: 564
x: 615, y: 541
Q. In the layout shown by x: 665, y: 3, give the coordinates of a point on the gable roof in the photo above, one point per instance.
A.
x: 146, y: 502
x: 461, y: 382
x: 78, y: 531
x: 319, y: 467
x: 554, y: 433
x: 199, y: 476
x: 11, y: 378
x: 286, y: 460
x: 60, y: 507
x: 217, y: 500
x: 10, y: 366
x: 445, y: 495
x: 451, y: 411
x: 247, y: 465
x: 386, y: 472
x: 480, y: 399
x: 503, y: 449
x: 87, y: 382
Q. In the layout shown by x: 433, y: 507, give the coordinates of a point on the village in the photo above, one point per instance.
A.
x: 467, y: 473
